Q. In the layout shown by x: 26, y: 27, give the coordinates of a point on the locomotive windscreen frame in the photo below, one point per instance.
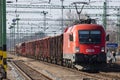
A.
x: 89, y: 36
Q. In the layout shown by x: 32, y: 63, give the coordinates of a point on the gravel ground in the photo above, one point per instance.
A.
x: 10, y: 73
x: 13, y: 74
x: 56, y: 73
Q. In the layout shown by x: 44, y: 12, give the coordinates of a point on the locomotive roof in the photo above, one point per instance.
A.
x: 88, y: 25
x: 84, y: 27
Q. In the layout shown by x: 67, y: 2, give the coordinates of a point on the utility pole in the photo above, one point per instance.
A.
x: 62, y: 15
x: 3, y: 54
x: 11, y: 37
x: 105, y: 14
x: 31, y: 32
x: 14, y: 34
x: 17, y: 20
x: 118, y: 25
x: 44, y: 13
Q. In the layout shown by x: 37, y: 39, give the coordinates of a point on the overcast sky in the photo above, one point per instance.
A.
x: 53, y: 13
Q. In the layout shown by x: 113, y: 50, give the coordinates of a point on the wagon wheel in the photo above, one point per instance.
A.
x: 66, y: 63
x: 55, y: 61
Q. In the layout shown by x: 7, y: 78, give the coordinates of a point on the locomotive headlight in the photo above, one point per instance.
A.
x: 103, y: 49
x: 77, y: 49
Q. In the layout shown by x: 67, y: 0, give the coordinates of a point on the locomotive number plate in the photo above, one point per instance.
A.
x: 90, y: 50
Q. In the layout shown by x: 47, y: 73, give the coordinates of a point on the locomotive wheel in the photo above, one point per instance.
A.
x: 67, y: 63
x: 47, y: 59
x: 61, y: 62
x: 50, y: 60
x: 71, y: 64
x: 56, y: 61
x: 36, y: 57
x: 41, y: 58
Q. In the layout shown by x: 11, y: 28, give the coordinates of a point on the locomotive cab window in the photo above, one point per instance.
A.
x: 71, y: 37
x: 90, y: 37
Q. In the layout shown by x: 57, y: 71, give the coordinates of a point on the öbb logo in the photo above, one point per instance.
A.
x: 90, y: 50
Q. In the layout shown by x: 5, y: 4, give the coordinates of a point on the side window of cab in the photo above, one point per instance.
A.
x: 71, y: 37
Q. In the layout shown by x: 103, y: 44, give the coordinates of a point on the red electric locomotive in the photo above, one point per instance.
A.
x: 79, y: 44
x: 84, y: 43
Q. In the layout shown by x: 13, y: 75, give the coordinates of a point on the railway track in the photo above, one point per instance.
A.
x: 92, y: 76
x: 29, y: 73
x: 112, y: 72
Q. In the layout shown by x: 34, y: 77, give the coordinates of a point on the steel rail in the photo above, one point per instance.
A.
x: 32, y: 73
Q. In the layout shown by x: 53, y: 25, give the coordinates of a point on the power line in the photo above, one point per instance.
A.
x: 49, y: 19
x: 57, y: 6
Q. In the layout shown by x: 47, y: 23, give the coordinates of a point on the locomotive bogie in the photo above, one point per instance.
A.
x: 85, y: 58
x: 90, y: 59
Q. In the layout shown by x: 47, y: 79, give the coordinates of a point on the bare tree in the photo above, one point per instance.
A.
x: 112, y: 30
